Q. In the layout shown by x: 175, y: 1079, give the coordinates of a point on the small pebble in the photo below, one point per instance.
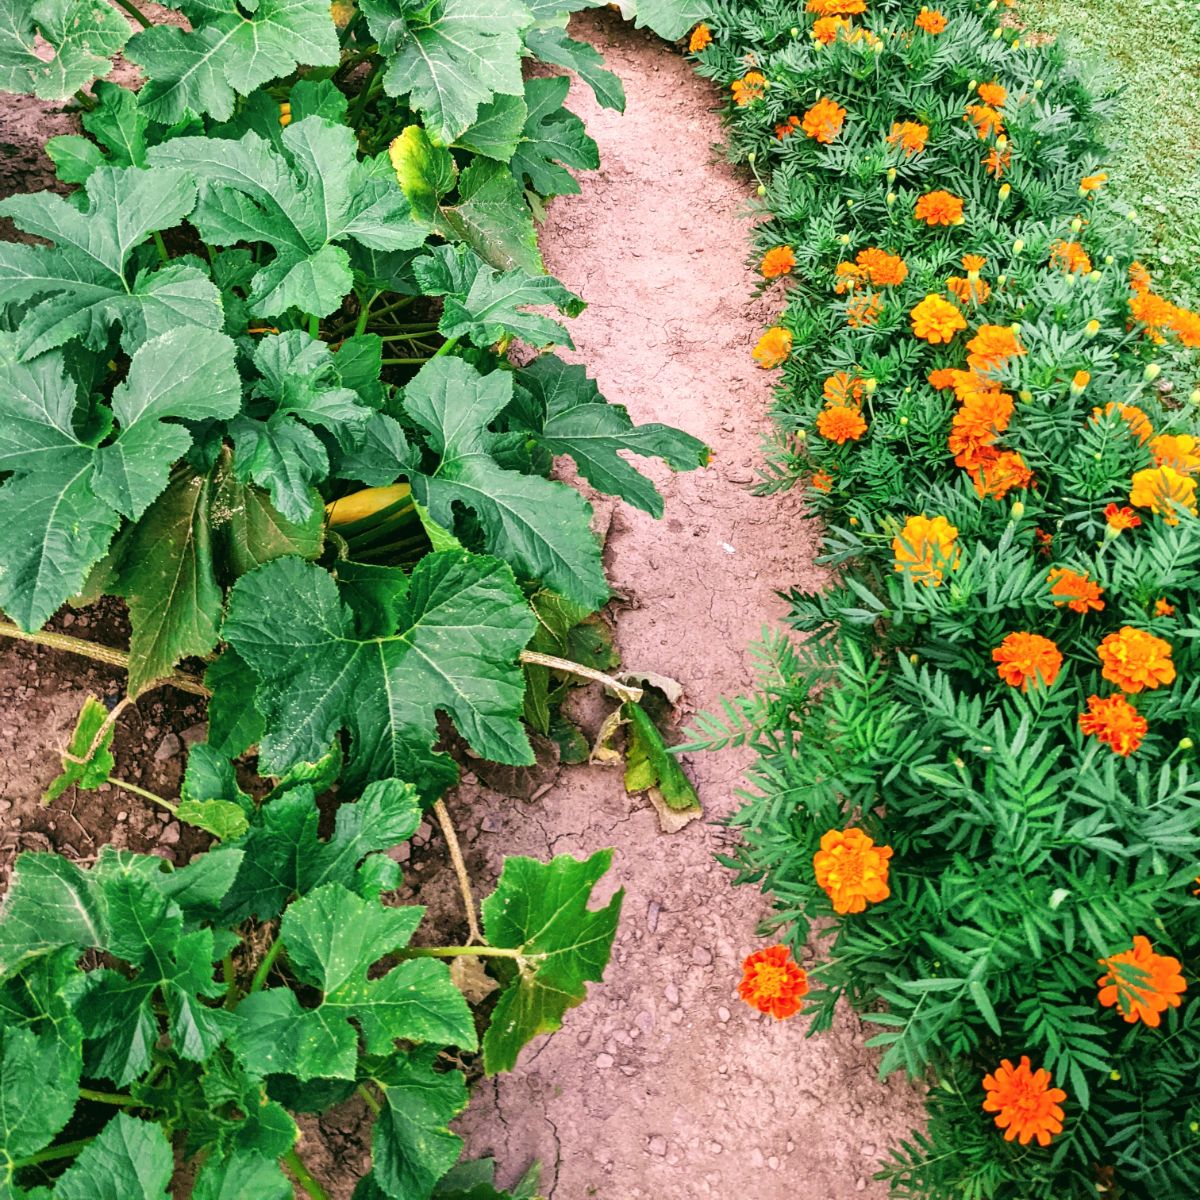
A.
x: 652, y: 916
x: 168, y: 748
x: 492, y: 823
x: 701, y: 956
x: 672, y: 994
x: 604, y: 1061
x: 723, y: 1014
x: 657, y: 1145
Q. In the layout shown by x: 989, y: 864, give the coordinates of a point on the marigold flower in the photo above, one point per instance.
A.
x: 1136, y: 660
x: 1045, y: 542
x: 1134, y: 417
x: 773, y: 347
x: 939, y: 208
x: 925, y: 548
x: 992, y: 346
x: 822, y: 481
x: 835, y: 8
x: 1155, y: 313
x: 1070, y: 257
x: 982, y: 418
x: 824, y: 120
x: 910, y: 136
x: 1180, y: 451
x: 936, y: 320
x: 997, y: 161
x: 1119, y: 519
x: 787, y: 128
x: 1164, y: 491
x: 1163, y: 607
x: 883, y: 269
x: 1186, y: 326
x: 826, y: 29
x: 842, y: 388
x: 931, y: 21
x: 749, y: 88
x: 852, y: 870
x: 701, y: 38
x: 943, y: 377
x: 1079, y: 593
x: 968, y: 291
x: 773, y: 983
x: 285, y: 114
x: 1141, y: 985
x: 1089, y: 183
x: 1025, y: 1104
x: 1115, y: 722
x: 840, y: 423
x: 778, y: 261
x: 987, y: 121
x: 1139, y: 277
x: 1000, y: 472
x: 993, y: 94
x: 863, y: 311
x: 1027, y: 658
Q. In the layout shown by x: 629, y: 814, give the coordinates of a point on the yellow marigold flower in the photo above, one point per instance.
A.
x: 826, y: 29
x: 1079, y: 593
x: 936, y: 320
x: 991, y: 347
x: 993, y: 94
x: 1025, y: 1104
x: 939, y: 208
x: 1164, y: 491
x: 835, y: 8
x: 749, y: 88
x: 701, y: 38
x: 852, y: 870
x: 1179, y: 451
x: 285, y: 114
x: 883, y: 269
x: 778, y: 261
x: 773, y: 347
x: 824, y: 120
x: 841, y: 423
x: 863, y: 311
x: 1115, y: 722
x: 1134, y: 417
x: 1136, y: 660
x: 1089, y: 183
x: 931, y: 21
x: 1079, y: 381
x: 1141, y: 985
x: 925, y: 548
x: 910, y: 136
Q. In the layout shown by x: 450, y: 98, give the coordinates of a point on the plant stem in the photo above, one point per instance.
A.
x: 107, y: 1098
x: 623, y: 691
x: 264, y: 967
x: 135, y: 12
x: 363, y: 316
x: 104, y: 654
x: 141, y: 791
x: 304, y: 1178
x: 459, y: 952
x: 227, y: 973
x: 370, y: 1100
x: 414, y: 334
x: 397, y: 362
x: 162, y: 247
x: 460, y: 869
x: 66, y: 1150
x: 314, y: 327
x: 446, y: 347
x: 364, y: 97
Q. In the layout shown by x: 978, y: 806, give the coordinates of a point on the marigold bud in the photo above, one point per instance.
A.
x: 844, y: 239
x: 997, y: 33
x: 853, y: 520
x: 1195, y: 396
x: 974, y: 82
x: 794, y: 31
x: 1002, y: 142
x: 1001, y: 280
x: 903, y: 420
x: 891, y: 175
x: 1115, y: 1076
x: 1081, y: 380
x: 761, y: 189
x: 801, y: 434
x: 1005, y: 190
x: 1186, y: 743
x: 890, y: 198
x: 1016, y: 44
x: 751, y: 157
x: 1076, y: 224
x: 869, y: 386
x: 1092, y: 328
x: 1018, y: 246
x: 1152, y: 372
x: 1038, y: 84
x: 1108, y: 260
x: 1018, y: 509
x: 1025, y: 396
x: 914, y: 659
x: 849, y: 203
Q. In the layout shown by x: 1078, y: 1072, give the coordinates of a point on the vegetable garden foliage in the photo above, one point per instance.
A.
x: 1005, y: 474
x: 254, y: 381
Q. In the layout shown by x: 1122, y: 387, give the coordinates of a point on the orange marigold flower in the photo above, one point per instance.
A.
x: 931, y: 21
x: 993, y: 94
x: 1089, y: 183
x: 925, y: 548
x: 1141, y: 985
x: 1134, y: 417
x: 1119, y: 519
x: 1152, y: 311
x: 778, y: 261
x: 1070, y: 257
x: 1164, y: 491
x: 968, y: 291
x: 1163, y: 607
x: 701, y: 38
x: 852, y: 869
x: 773, y: 347
x: 987, y: 121
x: 997, y: 161
x: 943, y: 377
x: 1139, y: 277
x: 849, y: 276
x: 1186, y: 325
x: 1115, y: 722
x: 1079, y: 593
x: 1045, y: 542
x: 842, y: 388
x: 936, y: 320
x: 773, y: 983
x: 826, y: 29
x: 824, y: 120
x: 972, y: 263
x: 939, y: 208
x: 999, y: 472
x: 983, y: 417
x: 1136, y: 660
x: 992, y: 346
x: 822, y: 481
x: 834, y: 8
x: 1027, y: 658
x: 863, y: 311
x: 1025, y: 1104
x: 1180, y: 451
x: 787, y: 128
x: 883, y: 269
x: 840, y: 423
x: 910, y: 136
x: 749, y: 88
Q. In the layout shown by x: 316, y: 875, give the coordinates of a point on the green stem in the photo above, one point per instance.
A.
x: 459, y: 951
x: 66, y: 1150
x: 314, y: 327
x: 304, y: 1178
x: 370, y: 1100
x: 361, y: 324
x: 141, y: 791
x: 415, y: 334
x: 364, y: 96
x: 403, y: 302
x: 227, y: 973
x: 446, y: 347
x: 121, y: 1100
x: 162, y: 249
x: 264, y: 967
x: 399, y: 362
x: 135, y: 12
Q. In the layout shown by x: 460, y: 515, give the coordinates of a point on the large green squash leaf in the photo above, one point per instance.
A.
x: 333, y: 938
x: 457, y: 629
x: 552, y: 45
x: 130, y: 1160
x: 552, y: 140
x: 304, y: 203
x: 541, y: 910
x: 66, y: 496
x: 671, y: 19
x: 540, y: 527
x: 230, y: 50
x: 118, y: 126
x: 81, y: 281
x: 84, y: 35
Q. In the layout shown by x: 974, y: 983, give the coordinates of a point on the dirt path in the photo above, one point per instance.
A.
x: 663, y: 1084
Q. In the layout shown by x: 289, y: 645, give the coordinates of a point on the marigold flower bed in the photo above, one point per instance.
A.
x: 977, y: 768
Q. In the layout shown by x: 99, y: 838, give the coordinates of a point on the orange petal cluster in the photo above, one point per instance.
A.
x: 936, y: 320
x: 780, y: 260
x: 1119, y: 519
x: 931, y: 21
x: 1070, y: 258
x: 1164, y: 491
x: 1025, y: 659
x: 1140, y: 984
x: 841, y: 423
x: 773, y: 347
x: 852, y: 869
x: 826, y: 29
x: 824, y: 120
x: 925, y: 548
x: 749, y: 88
x: 773, y: 983
x: 701, y: 38
x: 1136, y: 660
x: 1115, y: 722
x: 1025, y: 1104
x: 992, y: 347
x: 910, y: 136
x: 939, y: 207
x: 1079, y: 593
